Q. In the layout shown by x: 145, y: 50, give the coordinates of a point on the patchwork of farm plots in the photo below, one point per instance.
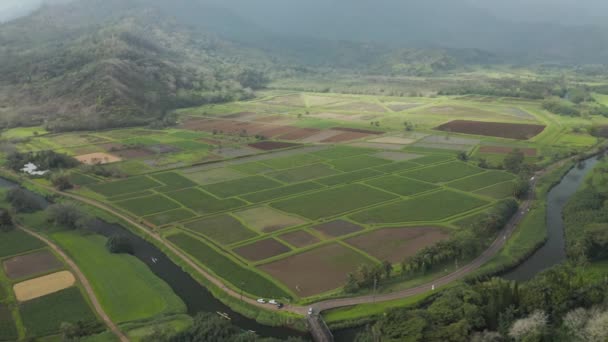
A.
x: 294, y: 224
x: 37, y: 293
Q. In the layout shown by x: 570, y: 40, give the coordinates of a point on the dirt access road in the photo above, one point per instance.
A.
x: 486, y: 256
x: 83, y: 280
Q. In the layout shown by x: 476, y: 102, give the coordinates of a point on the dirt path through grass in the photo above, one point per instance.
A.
x: 83, y: 280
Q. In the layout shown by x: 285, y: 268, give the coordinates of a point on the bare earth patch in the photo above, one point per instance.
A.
x: 42, y: 286
x: 98, y: 158
x: 322, y: 135
x: 31, y: 264
x: 268, y: 220
x: 132, y: 153
x: 316, y: 271
x: 299, y: 134
x: 347, y: 136
x: 396, y: 244
x: 493, y: 129
x: 262, y: 249
x: 299, y: 238
x: 337, y: 228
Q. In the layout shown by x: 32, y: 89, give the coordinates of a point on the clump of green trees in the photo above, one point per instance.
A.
x: 368, y: 277
x: 45, y: 160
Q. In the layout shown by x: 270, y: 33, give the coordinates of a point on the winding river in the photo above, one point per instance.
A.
x: 199, y: 299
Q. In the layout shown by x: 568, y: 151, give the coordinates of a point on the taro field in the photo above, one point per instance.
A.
x: 293, y: 223
x: 37, y: 292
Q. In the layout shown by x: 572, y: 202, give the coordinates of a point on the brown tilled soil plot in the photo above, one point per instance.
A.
x: 31, y: 264
x: 396, y: 244
x: 241, y: 116
x: 299, y: 238
x: 262, y: 249
x: 493, y: 129
x: 337, y: 228
x: 299, y: 133
x: 528, y: 152
x: 320, y: 136
x: 132, y: 153
x: 316, y: 271
x: 98, y: 158
x: 272, y: 145
x: 347, y: 136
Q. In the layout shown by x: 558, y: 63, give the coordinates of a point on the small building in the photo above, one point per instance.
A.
x: 32, y: 169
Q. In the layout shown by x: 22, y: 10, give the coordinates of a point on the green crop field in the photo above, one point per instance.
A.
x: 443, y: 173
x: 481, y: 180
x: 202, y: 202
x: 397, y: 167
x: 349, y: 177
x: 401, y: 186
x: 252, y: 168
x: 43, y: 316
x: 125, y: 287
x: 82, y: 179
x: 432, y: 207
x: 433, y: 159
x: 143, y: 206
x: 8, y: 330
x: 498, y: 191
x: 174, y: 180
x: 303, y: 173
x: 332, y: 202
x: 171, y: 216
x: 341, y: 152
x: 223, y: 229
x: 241, y: 186
x: 121, y: 187
x: 357, y: 162
x: 17, y: 242
x: 130, y: 196
x: 268, y: 195
x: 291, y: 161
x: 228, y: 269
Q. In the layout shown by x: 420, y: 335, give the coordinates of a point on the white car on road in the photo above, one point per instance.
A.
x: 262, y: 301
x: 273, y: 302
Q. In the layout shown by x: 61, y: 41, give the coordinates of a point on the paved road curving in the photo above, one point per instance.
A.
x: 486, y: 256
x: 84, y: 281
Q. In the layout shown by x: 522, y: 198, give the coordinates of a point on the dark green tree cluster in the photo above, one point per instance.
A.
x: 500, y: 310
x: 368, y: 276
x: 45, y: 160
x: 6, y: 221
x: 119, y: 244
x: 61, y: 181
x: 23, y: 201
x: 68, y: 215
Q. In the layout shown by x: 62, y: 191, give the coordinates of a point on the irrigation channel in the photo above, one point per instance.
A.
x: 196, y: 297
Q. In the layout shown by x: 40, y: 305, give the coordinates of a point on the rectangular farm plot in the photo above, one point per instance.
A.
x: 202, y: 202
x: 299, y: 238
x: 397, y: 167
x: 241, y: 186
x: 498, y: 191
x: 262, y: 249
x: 436, y: 206
x: 481, y: 180
x: 337, y: 228
x: 144, y: 206
x: 223, y: 229
x: 357, y: 163
x: 214, y: 175
x: 170, y: 216
x: 432, y: 159
x: 252, y: 168
x: 44, y: 316
x: 268, y: 195
x: 42, y: 286
x: 174, y: 180
x: 332, y: 202
x: 444, y: 173
x: 316, y: 271
x: 493, y: 129
x: 8, y: 330
x: 122, y: 187
x: 401, y: 186
x: 291, y: 161
x: 303, y: 173
x: 349, y: 177
x: 16, y: 242
x: 396, y: 156
x: 98, y: 158
x: 31, y: 264
x: 340, y: 151
x: 227, y: 269
x: 396, y: 244
x: 266, y: 220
